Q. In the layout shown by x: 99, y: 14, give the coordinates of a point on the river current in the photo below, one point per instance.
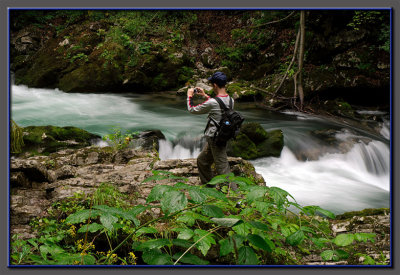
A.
x: 326, y: 163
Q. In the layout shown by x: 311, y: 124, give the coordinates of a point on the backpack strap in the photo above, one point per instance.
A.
x: 222, y: 105
x: 223, y: 109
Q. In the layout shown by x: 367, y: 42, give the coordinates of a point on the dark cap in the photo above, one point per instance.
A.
x: 218, y: 78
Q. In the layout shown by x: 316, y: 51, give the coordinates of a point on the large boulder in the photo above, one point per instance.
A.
x: 48, y: 139
x: 254, y: 142
x: 147, y: 140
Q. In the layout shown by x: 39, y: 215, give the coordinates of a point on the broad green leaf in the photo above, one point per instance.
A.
x: 242, y: 182
x: 242, y: 229
x: 225, y: 246
x: 239, y: 239
x: 328, y: 255
x: 343, y: 239
x: 256, y: 192
x: 368, y: 260
x: 220, y: 179
x: 50, y: 249
x: 190, y: 259
x: 263, y: 207
x: 364, y: 237
x: 341, y: 254
x: 197, y: 195
x: 146, y: 230
x: 279, y: 195
x: 296, y: 238
x: 285, y: 230
x: 161, y: 175
x: 190, y: 217
x: 211, y: 192
x: 82, y: 216
x: 110, y: 210
x: 259, y: 242
x: 334, y: 255
x: 92, y: 228
x: 212, y: 211
x: 185, y: 234
x: 206, y: 240
x: 68, y: 259
x: 136, y: 210
x: 181, y: 243
x: 108, y: 220
x: 247, y: 256
x: 320, y: 242
x: 151, y: 244
x: 227, y: 222
x: 157, y: 192
x: 308, y: 229
x: 324, y: 212
x: 173, y: 201
x: 259, y: 225
x: 39, y: 260
x: 119, y: 212
x: 181, y: 185
x: 156, y: 257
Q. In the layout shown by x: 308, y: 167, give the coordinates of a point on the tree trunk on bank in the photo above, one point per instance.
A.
x: 301, y: 58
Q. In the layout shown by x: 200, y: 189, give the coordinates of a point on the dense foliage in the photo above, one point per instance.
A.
x: 196, y: 225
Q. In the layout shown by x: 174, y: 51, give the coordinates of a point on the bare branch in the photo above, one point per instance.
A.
x: 273, y: 22
x: 290, y: 65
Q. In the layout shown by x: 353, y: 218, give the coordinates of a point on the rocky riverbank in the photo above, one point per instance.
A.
x: 37, y: 182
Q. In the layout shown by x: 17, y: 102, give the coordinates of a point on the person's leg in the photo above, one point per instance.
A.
x: 204, y: 162
x: 220, y: 158
x: 221, y: 161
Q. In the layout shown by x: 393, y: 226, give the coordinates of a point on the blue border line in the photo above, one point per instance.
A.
x: 196, y: 266
x: 199, y: 8
x: 8, y: 141
x: 391, y: 138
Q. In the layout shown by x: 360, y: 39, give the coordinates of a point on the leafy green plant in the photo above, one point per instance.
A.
x: 16, y: 138
x: 118, y: 139
x: 108, y: 194
x: 79, y: 56
x: 250, y: 226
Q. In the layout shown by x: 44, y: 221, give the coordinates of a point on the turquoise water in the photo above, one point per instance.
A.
x: 335, y: 179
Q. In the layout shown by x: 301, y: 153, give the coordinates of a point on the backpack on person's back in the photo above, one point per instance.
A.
x: 229, y: 125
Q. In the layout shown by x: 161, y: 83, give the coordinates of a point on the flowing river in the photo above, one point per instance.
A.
x: 333, y: 165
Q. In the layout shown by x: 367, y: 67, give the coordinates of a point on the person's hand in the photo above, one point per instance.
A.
x: 190, y: 92
x: 201, y: 92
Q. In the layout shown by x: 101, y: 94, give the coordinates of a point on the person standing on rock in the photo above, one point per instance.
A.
x: 211, y: 153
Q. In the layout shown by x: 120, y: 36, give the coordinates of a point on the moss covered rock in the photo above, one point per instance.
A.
x: 272, y: 145
x: 254, y: 142
x: 48, y: 139
x: 243, y: 147
x: 254, y: 131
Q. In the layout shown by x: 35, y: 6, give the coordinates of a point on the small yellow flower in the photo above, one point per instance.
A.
x: 76, y: 262
x: 72, y: 230
x: 132, y: 258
